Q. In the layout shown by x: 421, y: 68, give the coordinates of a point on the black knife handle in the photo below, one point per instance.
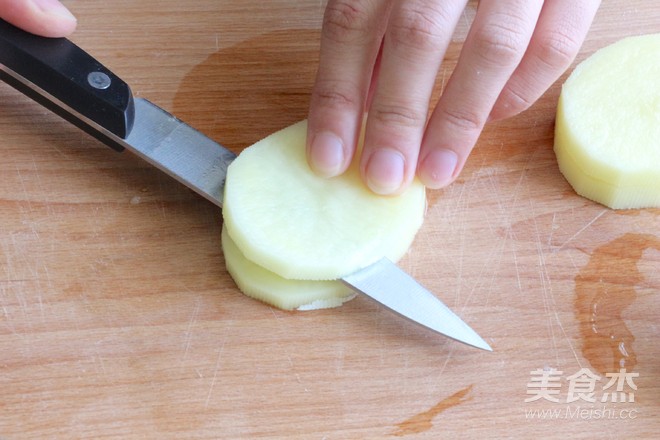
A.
x: 71, y: 76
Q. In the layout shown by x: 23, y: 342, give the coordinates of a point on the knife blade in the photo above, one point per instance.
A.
x: 390, y: 286
x: 65, y: 79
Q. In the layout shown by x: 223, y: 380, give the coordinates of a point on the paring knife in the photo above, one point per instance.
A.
x: 65, y: 79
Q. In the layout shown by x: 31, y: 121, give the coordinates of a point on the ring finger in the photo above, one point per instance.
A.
x: 496, y: 43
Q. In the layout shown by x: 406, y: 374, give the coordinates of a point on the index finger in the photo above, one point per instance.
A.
x: 350, y: 40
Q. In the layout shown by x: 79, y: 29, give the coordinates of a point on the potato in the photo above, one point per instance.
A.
x: 290, y: 235
x: 607, y: 134
x: 261, y: 284
x: 298, y: 225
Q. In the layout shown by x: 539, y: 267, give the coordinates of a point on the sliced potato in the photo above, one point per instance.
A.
x: 607, y: 135
x: 286, y: 219
x: 263, y: 285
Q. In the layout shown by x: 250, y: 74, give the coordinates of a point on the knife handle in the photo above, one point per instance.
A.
x: 67, y: 80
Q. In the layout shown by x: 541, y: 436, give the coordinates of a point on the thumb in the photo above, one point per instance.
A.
x: 48, y: 18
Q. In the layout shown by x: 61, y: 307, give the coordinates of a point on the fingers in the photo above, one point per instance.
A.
x: 351, y: 36
x: 560, y: 32
x: 48, y: 18
x: 417, y: 35
x: 494, y: 47
x: 514, y: 51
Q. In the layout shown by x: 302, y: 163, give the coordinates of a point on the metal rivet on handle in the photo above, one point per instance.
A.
x: 99, y: 80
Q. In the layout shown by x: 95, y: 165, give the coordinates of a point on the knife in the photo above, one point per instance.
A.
x: 65, y: 79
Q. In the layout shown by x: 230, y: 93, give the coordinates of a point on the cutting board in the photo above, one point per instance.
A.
x: 119, y: 320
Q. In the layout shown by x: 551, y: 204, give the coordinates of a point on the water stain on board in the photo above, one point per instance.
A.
x: 424, y: 421
x: 241, y: 94
x: 604, y: 288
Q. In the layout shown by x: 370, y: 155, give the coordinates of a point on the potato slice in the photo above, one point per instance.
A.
x: 289, y: 221
x: 607, y: 135
x: 258, y: 283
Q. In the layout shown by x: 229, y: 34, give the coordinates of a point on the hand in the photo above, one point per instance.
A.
x: 382, y: 56
x: 48, y: 18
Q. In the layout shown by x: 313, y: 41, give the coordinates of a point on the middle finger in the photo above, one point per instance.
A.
x: 415, y: 41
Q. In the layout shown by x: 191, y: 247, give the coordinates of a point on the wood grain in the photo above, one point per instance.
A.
x: 118, y: 319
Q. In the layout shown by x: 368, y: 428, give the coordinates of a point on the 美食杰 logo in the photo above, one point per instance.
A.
x: 587, y: 394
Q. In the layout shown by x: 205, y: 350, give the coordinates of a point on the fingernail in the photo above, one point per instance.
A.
x: 54, y: 7
x: 385, y: 171
x: 327, y: 154
x: 438, y: 168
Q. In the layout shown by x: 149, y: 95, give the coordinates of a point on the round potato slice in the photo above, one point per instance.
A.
x: 607, y: 135
x: 263, y: 285
x: 286, y: 219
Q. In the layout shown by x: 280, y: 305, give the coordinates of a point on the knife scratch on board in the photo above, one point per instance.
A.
x: 581, y: 230
x: 568, y: 339
x: 515, y: 258
x: 495, y: 254
x: 553, y: 227
x: 26, y: 196
x: 549, y: 304
x: 287, y: 352
x: 215, y: 373
x: 516, y: 193
x: 461, y: 233
x: 189, y: 328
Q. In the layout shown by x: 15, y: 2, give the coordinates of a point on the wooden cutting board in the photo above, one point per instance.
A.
x: 118, y: 319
